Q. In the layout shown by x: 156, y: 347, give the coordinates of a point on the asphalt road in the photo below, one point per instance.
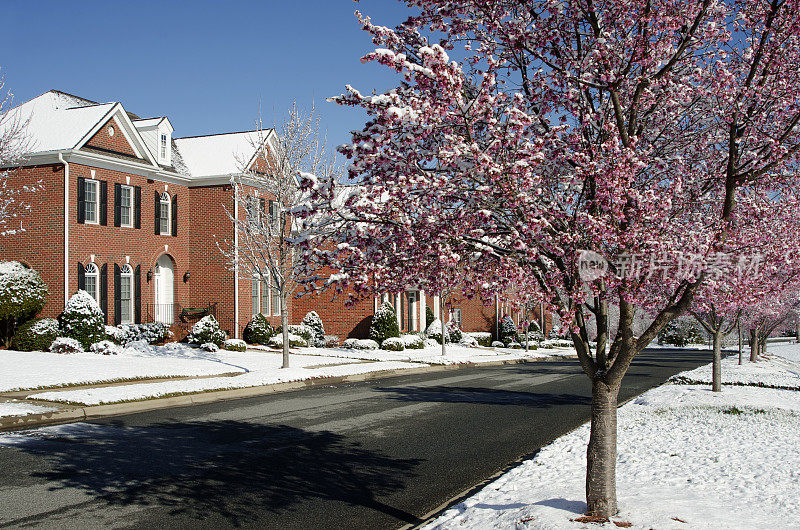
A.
x: 368, y: 455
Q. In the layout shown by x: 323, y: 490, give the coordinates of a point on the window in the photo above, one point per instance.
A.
x: 276, y: 300
x: 110, y: 130
x: 91, y: 197
x: 126, y: 206
x: 254, y: 307
x: 265, y: 298
x: 125, y: 294
x: 260, y: 297
x: 455, y: 317
x: 91, y: 282
x: 163, y: 146
x: 274, y: 216
x: 164, y: 214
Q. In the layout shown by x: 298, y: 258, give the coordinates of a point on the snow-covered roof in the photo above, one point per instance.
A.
x: 148, y: 122
x: 219, y: 154
x: 56, y: 120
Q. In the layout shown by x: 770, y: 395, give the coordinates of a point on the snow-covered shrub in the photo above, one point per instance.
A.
x: 366, y: 344
x: 235, y: 345
x: 515, y: 345
x: 117, y: 335
x: 209, y: 347
x: 295, y: 341
x: 152, y: 332
x: 66, y: 345
x: 434, y: 331
x: 532, y: 345
x: 413, y: 342
x: 313, y: 322
x: 453, y: 331
x: 330, y: 341
x: 393, y: 344
x: 508, y: 330
x: 681, y: 332
x: 35, y: 335
x: 258, y: 330
x: 557, y: 343
x: 350, y: 344
x: 22, y: 295
x: 484, y: 338
x: 83, y: 320
x: 384, y: 323
x: 429, y: 317
x: 430, y: 343
x: 105, y: 347
x: 497, y: 344
x: 467, y: 340
x: 300, y: 330
x: 207, y: 330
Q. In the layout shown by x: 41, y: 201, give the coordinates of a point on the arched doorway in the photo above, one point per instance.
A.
x: 164, y: 287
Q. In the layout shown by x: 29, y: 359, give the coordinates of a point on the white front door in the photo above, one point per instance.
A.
x: 164, y: 285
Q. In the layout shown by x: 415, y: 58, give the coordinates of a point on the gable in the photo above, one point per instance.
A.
x: 111, y: 139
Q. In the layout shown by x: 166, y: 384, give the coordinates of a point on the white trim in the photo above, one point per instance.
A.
x: 128, y: 130
x: 96, y: 220
x: 126, y: 272
x: 236, y: 262
x: 161, y: 202
x: 66, y: 227
x: 95, y: 273
x: 130, y: 217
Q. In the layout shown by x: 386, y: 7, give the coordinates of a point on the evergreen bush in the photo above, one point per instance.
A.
x: 207, y: 330
x: 313, y: 322
x: 393, y: 344
x: 384, y: 324
x: 83, y: 320
x: 508, y: 331
x: 429, y: 316
x: 66, y: 345
x: 258, y: 330
x: 235, y: 345
x: 35, y: 335
x: 22, y: 295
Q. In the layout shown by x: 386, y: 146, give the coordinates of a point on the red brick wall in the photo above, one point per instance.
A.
x: 41, y: 245
x: 116, y: 143
x: 338, y: 318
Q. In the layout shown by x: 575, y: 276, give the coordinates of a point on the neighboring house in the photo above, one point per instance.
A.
x: 136, y: 217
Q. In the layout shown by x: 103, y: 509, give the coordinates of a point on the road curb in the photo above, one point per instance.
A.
x: 69, y: 415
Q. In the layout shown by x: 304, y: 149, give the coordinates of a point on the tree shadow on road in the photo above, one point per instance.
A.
x: 225, y: 471
x: 486, y: 396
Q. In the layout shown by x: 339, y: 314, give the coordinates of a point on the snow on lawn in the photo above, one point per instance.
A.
x: 266, y: 376
x: 13, y: 408
x: 788, y: 351
x: 775, y: 372
x: 455, y: 354
x: 26, y: 370
x: 688, y: 458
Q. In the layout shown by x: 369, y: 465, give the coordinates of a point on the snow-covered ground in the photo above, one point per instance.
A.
x: 688, y: 458
x: 254, y: 367
x: 15, y: 408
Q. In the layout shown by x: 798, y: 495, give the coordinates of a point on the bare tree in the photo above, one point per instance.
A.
x: 14, y: 145
x: 266, y: 189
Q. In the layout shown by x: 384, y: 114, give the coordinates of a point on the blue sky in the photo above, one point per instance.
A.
x: 205, y: 64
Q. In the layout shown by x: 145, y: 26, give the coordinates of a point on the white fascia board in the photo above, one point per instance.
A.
x: 211, y: 180
x: 111, y: 163
x: 128, y: 129
x: 265, y: 143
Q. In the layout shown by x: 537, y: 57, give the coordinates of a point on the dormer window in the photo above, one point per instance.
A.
x: 163, y: 146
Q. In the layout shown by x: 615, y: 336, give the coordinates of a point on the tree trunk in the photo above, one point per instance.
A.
x: 753, y: 346
x: 716, y: 369
x: 741, y: 345
x: 444, y: 331
x: 601, y: 454
x: 797, y: 327
x: 763, y: 344
x: 285, y: 331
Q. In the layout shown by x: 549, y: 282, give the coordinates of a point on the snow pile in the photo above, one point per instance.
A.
x: 688, y: 458
x: 13, y: 408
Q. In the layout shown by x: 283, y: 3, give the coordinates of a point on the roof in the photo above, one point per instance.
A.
x: 219, y: 154
x: 57, y: 120
x: 148, y: 122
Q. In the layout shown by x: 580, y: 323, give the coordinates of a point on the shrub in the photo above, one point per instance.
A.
x: 35, y: 335
x: 430, y: 343
x: 300, y: 330
x: 105, y: 347
x: 258, y: 330
x: 152, y: 332
x: 349, y: 343
x: 497, y: 344
x: 508, y: 331
x: 533, y: 336
x: 83, y: 320
x: 413, y: 342
x: 393, y: 344
x: 330, y: 341
x: 531, y: 345
x: 366, y: 344
x: 484, y: 338
x: 680, y: 332
x: 429, y: 317
x: 295, y: 341
x: 384, y: 324
x: 467, y: 340
x: 207, y: 330
x: 116, y: 335
x: 313, y: 322
x: 66, y: 345
x: 453, y: 332
x: 209, y: 347
x: 434, y: 331
x: 235, y: 345
x: 22, y: 295
x: 515, y: 345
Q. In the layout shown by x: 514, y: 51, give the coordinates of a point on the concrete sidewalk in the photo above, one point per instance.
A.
x: 71, y: 413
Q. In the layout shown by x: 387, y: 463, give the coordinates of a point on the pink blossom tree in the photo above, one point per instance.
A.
x: 644, y: 131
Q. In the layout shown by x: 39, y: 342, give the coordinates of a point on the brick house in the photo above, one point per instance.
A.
x: 135, y: 217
